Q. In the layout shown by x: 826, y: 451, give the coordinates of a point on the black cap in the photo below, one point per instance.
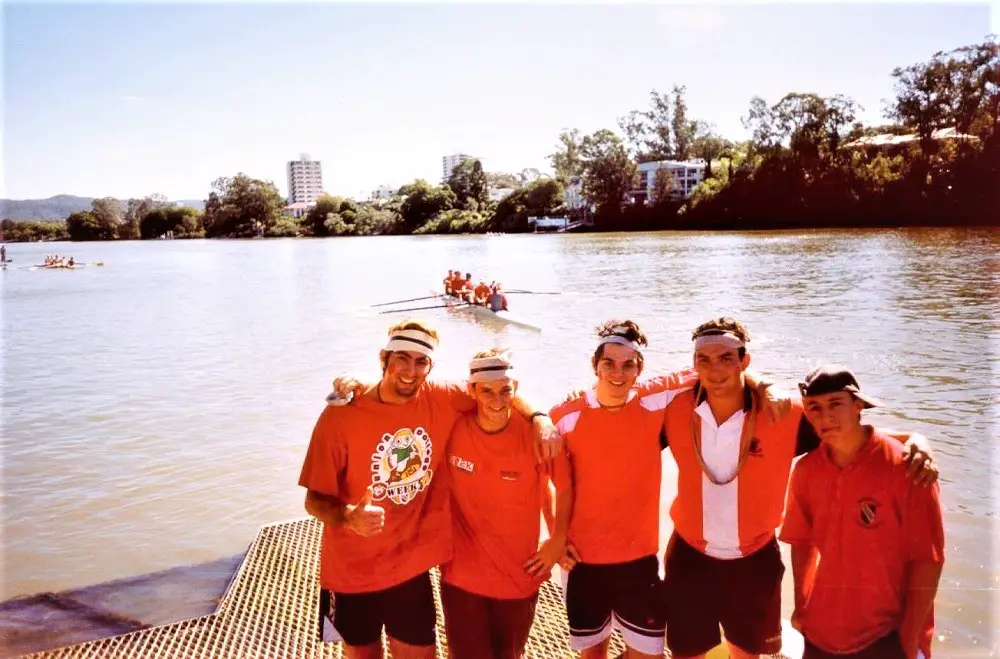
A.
x: 830, y: 378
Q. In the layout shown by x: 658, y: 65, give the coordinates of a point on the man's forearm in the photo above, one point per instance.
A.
x: 326, y: 509
x: 922, y: 585
x: 804, y: 558
x: 564, y: 510
x: 549, y: 506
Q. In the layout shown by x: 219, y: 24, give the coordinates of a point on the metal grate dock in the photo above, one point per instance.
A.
x: 271, y: 610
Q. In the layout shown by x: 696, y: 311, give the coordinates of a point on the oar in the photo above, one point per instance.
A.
x: 440, y: 306
x: 412, y: 299
x: 516, y: 290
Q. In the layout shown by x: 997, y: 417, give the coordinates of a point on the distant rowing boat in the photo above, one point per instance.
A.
x: 485, y: 313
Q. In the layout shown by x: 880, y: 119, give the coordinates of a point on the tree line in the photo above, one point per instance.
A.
x: 806, y: 164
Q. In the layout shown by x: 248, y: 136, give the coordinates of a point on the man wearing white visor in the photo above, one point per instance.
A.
x: 370, y: 473
x: 499, y: 494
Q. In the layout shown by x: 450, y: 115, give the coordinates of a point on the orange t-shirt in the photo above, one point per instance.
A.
x: 398, y: 450
x: 482, y: 291
x: 496, y: 495
x: 868, y: 521
x: 613, y: 459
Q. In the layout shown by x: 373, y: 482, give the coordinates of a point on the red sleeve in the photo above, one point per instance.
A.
x: 923, y: 527
x: 455, y: 394
x: 797, y: 527
x: 675, y: 382
x: 326, y: 457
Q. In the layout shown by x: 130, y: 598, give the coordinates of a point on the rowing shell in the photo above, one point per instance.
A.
x: 485, y: 313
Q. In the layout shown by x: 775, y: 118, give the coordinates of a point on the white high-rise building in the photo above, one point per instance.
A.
x: 305, y: 180
x: 449, y: 163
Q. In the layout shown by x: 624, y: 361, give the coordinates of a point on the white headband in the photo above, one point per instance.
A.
x: 620, y: 340
x: 487, y: 369
x: 412, y: 340
x: 727, y: 339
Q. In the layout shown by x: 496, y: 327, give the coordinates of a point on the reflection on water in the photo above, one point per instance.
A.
x: 156, y: 410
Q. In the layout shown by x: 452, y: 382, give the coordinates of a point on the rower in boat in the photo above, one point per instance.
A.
x: 466, y: 291
x: 447, y: 282
x: 481, y: 296
x: 456, y: 283
x: 498, y: 301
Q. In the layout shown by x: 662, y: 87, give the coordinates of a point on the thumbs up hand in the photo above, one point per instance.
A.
x: 364, y: 518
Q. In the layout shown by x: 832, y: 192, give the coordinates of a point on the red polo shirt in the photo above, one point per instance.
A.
x: 868, y: 521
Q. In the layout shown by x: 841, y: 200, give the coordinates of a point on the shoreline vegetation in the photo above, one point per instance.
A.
x: 808, y: 164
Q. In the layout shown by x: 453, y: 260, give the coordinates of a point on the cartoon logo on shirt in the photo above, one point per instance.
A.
x: 867, y: 513
x: 401, y: 465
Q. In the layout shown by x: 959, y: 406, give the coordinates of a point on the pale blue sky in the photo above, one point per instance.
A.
x: 127, y: 99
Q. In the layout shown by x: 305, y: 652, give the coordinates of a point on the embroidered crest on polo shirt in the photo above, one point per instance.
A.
x: 509, y: 475
x: 755, y: 449
x: 462, y: 463
x: 401, y: 465
x: 868, y: 513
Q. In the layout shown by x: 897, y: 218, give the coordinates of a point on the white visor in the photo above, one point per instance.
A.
x: 489, y: 369
x: 411, y: 340
x: 727, y: 339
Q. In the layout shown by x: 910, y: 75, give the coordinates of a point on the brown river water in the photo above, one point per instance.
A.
x: 156, y: 409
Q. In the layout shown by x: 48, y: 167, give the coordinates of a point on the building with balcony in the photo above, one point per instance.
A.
x: 305, y: 180
x: 685, y: 175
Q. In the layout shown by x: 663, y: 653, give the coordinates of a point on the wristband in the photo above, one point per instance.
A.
x: 534, y: 414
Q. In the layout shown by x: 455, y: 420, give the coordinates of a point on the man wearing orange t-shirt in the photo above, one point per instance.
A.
x: 482, y: 293
x: 499, y: 494
x: 370, y: 474
x: 733, y: 462
x: 612, y: 460
x: 867, y: 543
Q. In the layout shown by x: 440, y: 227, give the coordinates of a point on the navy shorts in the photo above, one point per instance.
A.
x: 742, y: 595
x: 405, y: 610
x: 624, y: 595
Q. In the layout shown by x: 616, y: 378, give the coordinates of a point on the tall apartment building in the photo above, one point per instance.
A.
x: 305, y: 180
x: 449, y: 163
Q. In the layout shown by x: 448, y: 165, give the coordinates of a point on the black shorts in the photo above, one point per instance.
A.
x: 480, y: 627
x: 743, y: 595
x: 887, y: 647
x: 630, y: 591
x: 406, y: 610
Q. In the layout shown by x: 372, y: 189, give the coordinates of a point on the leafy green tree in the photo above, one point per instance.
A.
x: 683, y: 129
x: 314, y: 222
x: 88, y: 225
x: 184, y: 221
x: 609, y: 172
x: 538, y: 199
x: 27, y: 231
x: 241, y: 206
x: 422, y: 201
x: 567, y: 159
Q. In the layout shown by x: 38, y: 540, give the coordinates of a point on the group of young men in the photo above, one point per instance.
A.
x: 483, y: 294
x: 408, y: 474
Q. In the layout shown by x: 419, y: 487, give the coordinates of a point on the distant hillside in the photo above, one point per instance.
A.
x: 58, y: 207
